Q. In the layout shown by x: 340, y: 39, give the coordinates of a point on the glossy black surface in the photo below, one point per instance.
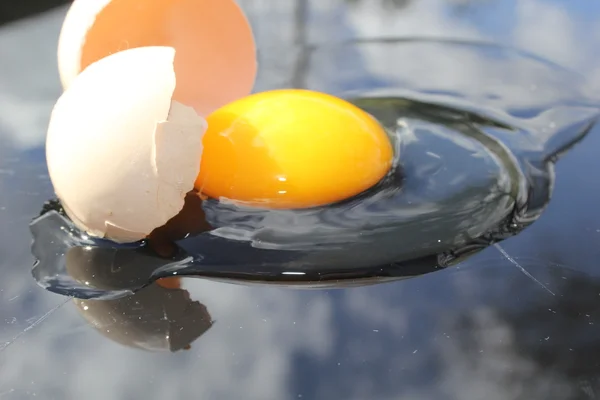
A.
x: 473, y: 165
x: 481, y: 329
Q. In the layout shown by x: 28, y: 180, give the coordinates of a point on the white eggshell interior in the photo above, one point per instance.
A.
x: 121, y: 154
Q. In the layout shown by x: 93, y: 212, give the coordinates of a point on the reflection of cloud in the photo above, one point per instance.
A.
x: 543, y: 28
x: 553, y: 30
x: 457, y: 335
x: 395, y: 341
x: 29, y: 83
x: 503, y: 372
x: 429, y: 18
x: 489, y: 77
x: 250, y: 356
x: 548, y: 29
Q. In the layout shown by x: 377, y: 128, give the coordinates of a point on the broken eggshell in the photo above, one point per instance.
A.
x: 122, y: 152
x: 216, y: 50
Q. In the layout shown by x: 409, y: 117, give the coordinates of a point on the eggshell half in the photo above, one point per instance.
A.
x: 121, y: 154
x: 216, y: 52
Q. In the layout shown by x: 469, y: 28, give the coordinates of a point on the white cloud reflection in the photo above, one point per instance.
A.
x: 29, y: 83
x: 368, y: 343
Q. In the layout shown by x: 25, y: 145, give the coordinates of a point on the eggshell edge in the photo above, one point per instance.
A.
x: 78, y: 21
x: 80, y: 18
x: 176, y: 156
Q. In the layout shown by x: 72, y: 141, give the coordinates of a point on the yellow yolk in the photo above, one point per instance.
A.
x: 292, y: 149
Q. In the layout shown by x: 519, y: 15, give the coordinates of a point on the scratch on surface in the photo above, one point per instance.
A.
x: 32, y: 325
x: 523, y: 270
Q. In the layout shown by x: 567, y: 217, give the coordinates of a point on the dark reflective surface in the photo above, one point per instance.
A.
x: 473, y: 165
x: 481, y: 329
x: 155, y: 319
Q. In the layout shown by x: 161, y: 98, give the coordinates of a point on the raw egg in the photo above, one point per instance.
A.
x: 215, y: 48
x: 121, y: 153
x: 292, y: 149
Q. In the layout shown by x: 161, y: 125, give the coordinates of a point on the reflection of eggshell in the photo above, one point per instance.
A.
x: 153, y: 319
x: 121, y: 154
x: 216, y: 54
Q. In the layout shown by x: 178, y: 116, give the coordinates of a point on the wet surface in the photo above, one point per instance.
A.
x: 481, y: 328
x: 473, y: 165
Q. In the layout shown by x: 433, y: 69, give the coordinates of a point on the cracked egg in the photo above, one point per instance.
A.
x: 216, y: 52
x: 122, y: 153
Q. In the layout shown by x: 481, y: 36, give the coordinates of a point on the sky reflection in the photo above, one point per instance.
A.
x: 481, y: 328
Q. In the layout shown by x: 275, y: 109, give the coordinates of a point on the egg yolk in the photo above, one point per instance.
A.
x: 292, y: 149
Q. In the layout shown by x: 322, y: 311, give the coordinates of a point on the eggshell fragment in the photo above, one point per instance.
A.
x: 216, y: 52
x: 121, y: 154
